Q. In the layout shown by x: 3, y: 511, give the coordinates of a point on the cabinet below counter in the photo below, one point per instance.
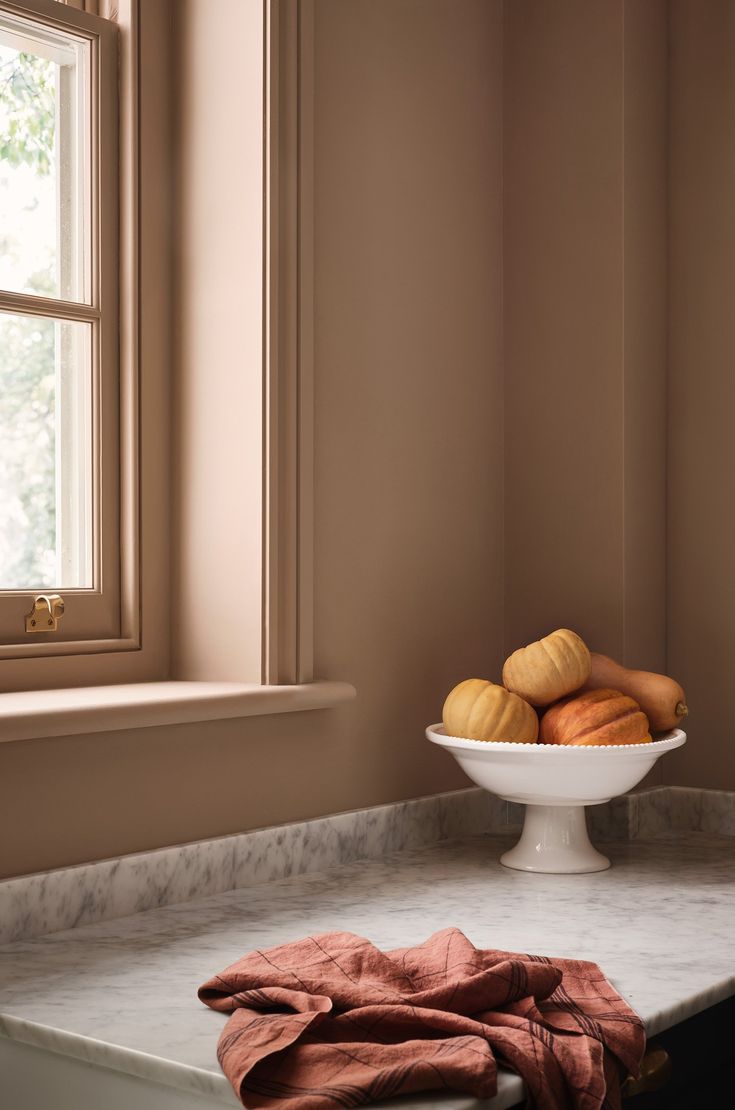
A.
x: 112, y: 1008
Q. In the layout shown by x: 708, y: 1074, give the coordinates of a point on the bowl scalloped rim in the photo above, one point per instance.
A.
x: 668, y: 742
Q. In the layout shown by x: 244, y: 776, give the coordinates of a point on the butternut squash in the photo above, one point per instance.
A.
x: 479, y: 710
x: 660, y: 697
x: 548, y: 669
x: 595, y: 718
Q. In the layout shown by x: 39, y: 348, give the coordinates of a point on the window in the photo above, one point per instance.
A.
x: 59, y: 326
x: 185, y: 487
x: 110, y: 298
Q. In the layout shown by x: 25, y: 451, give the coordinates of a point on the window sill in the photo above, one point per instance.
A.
x: 37, y: 714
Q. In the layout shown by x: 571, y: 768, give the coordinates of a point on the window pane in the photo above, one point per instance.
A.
x: 43, y: 233
x: 45, y: 453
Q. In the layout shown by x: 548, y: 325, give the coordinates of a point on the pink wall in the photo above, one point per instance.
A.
x: 408, y: 505
x: 585, y: 251
x: 701, y: 526
x: 523, y: 338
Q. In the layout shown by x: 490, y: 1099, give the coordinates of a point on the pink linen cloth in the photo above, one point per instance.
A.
x: 332, y: 1021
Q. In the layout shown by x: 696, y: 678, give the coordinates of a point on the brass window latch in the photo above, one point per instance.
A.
x: 47, y: 611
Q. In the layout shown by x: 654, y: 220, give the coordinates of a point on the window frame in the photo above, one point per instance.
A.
x: 146, y: 650
x: 104, y: 618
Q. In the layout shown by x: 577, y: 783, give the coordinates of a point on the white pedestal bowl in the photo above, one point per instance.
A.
x: 555, y: 783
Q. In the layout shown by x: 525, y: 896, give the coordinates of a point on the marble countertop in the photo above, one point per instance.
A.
x: 123, y: 993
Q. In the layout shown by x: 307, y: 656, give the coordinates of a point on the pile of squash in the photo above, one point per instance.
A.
x: 555, y: 691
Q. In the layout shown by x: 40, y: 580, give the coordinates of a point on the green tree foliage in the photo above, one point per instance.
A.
x: 27, y: 88
x: 27, y: 346
x: 27, y: 451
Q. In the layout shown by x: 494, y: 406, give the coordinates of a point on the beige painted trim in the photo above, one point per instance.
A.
x: 92, y: 6
x: 127, y: 16
x: 305, y: 613
x: 67, y: 648
x: 28, y: 304
x: 288, y: 343
x: 36, y: 715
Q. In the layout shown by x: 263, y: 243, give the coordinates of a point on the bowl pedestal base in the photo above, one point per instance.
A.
x: 555, y: 841
x: 555, y: 782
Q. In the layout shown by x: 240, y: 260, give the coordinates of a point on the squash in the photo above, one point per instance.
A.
x: 594, y: 718
x: 479, y: 710
x: 548, y: 669
x: 660, y: 697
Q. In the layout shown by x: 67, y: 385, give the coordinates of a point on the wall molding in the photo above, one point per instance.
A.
x: 288, y: 370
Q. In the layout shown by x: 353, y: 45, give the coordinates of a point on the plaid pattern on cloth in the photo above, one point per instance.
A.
x: 331, y: 1021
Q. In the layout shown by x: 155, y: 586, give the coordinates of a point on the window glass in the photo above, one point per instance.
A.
x: 43, y: 162
x: 45, y: 453
x: 46, y: 436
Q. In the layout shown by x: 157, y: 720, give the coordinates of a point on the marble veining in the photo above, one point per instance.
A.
x: 35, y: 905
x: 122, y: 993
x: 665, y: 809
x: 672, y: 809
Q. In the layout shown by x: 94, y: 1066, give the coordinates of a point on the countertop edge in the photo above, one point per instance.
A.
x: 696, y: 1004
x: 130, y: 1061
x: 184, y: 1077
x: 189, y: 1078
